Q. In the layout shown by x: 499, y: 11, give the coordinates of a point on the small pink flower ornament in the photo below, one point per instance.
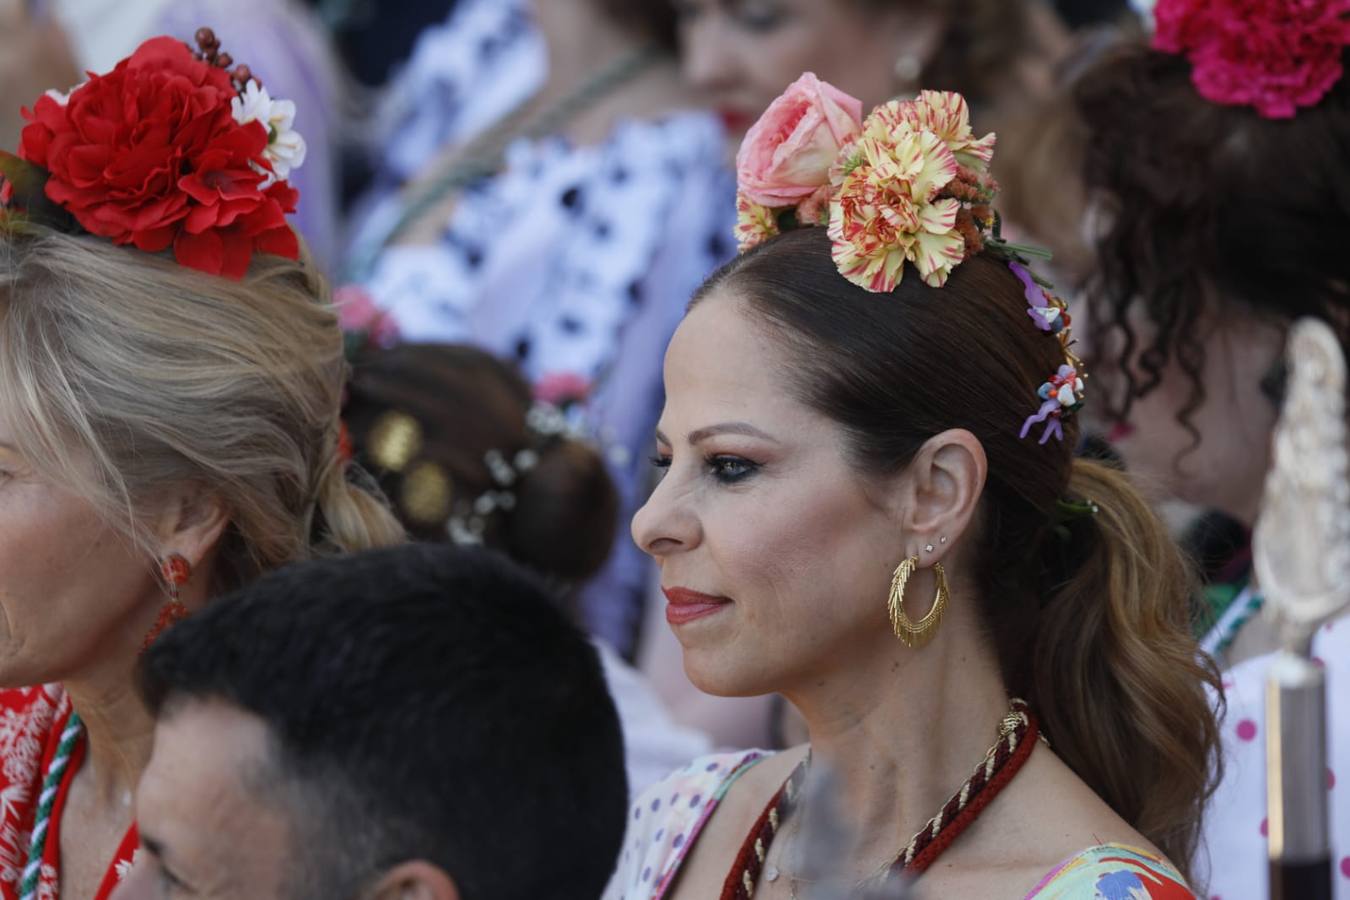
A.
x: 1062, y: 395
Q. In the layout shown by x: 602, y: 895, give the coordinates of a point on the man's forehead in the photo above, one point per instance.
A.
x: 200, y: 802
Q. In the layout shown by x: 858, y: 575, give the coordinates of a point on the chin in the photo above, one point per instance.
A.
x: 720, y: 674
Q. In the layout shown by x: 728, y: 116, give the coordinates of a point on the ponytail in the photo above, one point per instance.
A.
x: 352, y: 516
x: 1116, y: 675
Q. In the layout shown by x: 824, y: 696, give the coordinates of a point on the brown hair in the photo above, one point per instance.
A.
x: 1205, y: 208
x: 1089, y: 618
x: 467, y: 403
x: 125, y: 373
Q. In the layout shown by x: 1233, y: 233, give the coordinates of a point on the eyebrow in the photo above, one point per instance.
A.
x: 702, y: 434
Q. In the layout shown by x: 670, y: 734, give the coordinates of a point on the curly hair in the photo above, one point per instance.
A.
x: 1207, y: 210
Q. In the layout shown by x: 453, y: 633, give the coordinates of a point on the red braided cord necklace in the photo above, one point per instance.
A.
x: 1017, y: 737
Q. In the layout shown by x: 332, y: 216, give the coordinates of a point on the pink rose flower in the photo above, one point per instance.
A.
x: 786, y: 157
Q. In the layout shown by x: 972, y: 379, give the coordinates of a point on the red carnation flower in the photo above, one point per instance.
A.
x: 150, y: 155
x: 1274, y: 55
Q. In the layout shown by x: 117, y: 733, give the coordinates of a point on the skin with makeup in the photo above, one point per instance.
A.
x: 776, y: 539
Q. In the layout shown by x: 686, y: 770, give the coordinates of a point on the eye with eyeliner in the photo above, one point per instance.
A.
x: 725, y: 468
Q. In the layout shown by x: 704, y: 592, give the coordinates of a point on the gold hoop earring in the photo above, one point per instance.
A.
x: 911, y: 633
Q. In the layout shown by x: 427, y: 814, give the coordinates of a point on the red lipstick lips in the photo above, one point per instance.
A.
x: 735, y: 121
x: 686, y: 605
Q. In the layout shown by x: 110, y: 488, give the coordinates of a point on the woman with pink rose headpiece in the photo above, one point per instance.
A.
x: 882, y: 377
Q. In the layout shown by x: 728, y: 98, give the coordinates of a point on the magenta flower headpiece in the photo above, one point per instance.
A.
x: 1273, y: 55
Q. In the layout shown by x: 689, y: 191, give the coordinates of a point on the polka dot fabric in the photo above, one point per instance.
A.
x: 1236, y: 828
x: 572, y: 260
x: 666, y: 820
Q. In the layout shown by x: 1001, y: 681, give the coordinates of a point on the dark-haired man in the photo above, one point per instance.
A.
x: 418, y: 723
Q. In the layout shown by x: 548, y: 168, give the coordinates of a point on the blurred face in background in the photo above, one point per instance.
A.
x: 742, y: 54
x: 1216, y: 455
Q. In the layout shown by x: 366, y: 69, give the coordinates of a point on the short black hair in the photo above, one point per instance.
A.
x: 427, y: 702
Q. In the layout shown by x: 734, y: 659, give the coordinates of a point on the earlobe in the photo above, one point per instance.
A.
x: 416, y: 880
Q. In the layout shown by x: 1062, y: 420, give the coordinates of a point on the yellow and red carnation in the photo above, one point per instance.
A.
x: 888, y: 212
x: 755, y: 224
x: 944, y: 113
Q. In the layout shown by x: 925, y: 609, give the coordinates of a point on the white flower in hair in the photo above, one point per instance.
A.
x: 63, y: 97
x: 285, y: 147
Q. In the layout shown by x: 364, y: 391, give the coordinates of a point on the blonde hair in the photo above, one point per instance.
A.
x: 125, y: 374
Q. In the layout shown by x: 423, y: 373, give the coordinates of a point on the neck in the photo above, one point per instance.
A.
x: 119, y: 731
x: 580, y: 39
x: 900, y: 731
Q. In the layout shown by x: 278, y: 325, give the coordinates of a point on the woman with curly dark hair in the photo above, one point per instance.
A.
x: 1218, y: 164
x: 1223, y: 202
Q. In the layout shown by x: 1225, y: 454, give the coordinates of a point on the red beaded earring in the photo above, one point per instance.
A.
x: 175, y: 570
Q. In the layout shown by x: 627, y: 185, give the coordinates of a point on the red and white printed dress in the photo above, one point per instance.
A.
x: 31, y: 722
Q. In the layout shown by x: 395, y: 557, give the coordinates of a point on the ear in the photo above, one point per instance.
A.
x: 416, y: 880
x: 191, y: 523
x: 944, y: 483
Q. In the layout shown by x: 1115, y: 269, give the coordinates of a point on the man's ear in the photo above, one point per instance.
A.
x: 416, y: 880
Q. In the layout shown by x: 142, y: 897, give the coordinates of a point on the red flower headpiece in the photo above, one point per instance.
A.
x: 170, y: 149
x: 1274, y: 55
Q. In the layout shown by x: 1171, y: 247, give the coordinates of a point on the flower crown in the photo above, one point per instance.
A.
x: 909, y: 184
x: 172, y: 148
x: 1273, y: 55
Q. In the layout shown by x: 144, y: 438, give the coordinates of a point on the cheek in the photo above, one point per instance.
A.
x: 805, y: 555
x: 64, y: 578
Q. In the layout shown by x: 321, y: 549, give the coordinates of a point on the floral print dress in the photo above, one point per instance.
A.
x: 668, y: 818
x: 31, y: 723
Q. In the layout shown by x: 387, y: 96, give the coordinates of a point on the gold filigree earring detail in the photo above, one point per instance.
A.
x: 911, y: 633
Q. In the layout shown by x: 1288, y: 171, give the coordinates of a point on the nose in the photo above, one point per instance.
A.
x: 666, y: 524
x: 707, y: 60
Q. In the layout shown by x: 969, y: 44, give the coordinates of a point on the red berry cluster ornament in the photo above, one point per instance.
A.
x: 209, y: 52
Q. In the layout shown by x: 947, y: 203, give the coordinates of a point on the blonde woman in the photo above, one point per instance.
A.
x: 168, y: 427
